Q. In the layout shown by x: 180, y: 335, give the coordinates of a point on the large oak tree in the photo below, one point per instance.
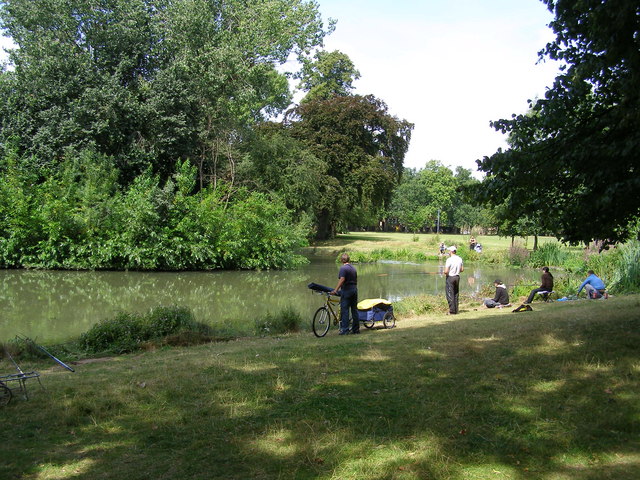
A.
x: 363, y: 148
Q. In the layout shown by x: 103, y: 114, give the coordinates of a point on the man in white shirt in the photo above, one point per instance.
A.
x: 453, y: 267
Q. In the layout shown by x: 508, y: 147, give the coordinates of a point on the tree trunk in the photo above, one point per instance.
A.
x: 324, y: 231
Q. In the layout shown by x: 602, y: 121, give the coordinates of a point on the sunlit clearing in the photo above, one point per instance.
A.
x: 257, y: 367
x: 490, y: 471
x: 549, y: 386
x: 549, y: 343
x: 81, y: 467
x: 277, y: 444
x: 492, y: 338
x: 523, y: 411
x: 373, y: 355
x: 428, y: 352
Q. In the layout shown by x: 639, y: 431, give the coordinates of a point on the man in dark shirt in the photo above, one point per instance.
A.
x: 348, y: 287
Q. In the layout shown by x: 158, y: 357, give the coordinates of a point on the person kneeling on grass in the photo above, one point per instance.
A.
x: 593, y: 286
x: 501, y: 298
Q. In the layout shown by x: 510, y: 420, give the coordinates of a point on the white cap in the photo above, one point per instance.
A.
x: 452, y: 248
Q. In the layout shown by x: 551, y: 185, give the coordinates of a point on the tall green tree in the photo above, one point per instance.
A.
x: 363, y: 147
x: 575, y: 158
x: 148, y: 81
x: 277, y: 162
x: 424, y: 196
x: 328, y: 74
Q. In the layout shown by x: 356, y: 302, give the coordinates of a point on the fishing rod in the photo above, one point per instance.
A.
x: 45, y: 351
x: 13, y: 361
x: 408, y: 273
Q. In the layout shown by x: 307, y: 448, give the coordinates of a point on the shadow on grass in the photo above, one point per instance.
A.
x: 500, y: 396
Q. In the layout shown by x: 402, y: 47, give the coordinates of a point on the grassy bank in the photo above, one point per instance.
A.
x: 548, y: 394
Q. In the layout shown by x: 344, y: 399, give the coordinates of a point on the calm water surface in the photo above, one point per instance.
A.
x: 54, y: 306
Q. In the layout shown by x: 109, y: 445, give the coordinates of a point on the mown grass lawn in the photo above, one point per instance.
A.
x: 549, y: 394
x: 423, y: 242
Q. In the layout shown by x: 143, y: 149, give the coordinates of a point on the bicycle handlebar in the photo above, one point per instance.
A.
x: 327, y: 294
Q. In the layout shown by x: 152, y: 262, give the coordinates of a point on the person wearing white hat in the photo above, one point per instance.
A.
x: 453, y: 267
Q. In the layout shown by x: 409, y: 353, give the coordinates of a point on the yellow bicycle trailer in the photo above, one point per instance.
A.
x: 372, y: 310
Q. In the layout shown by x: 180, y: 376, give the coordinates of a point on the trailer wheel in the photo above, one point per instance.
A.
x: 389, y: 320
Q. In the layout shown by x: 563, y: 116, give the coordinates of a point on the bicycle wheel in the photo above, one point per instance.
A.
x: 389, y: 320
x: 5, y: 395
x: 321, y: 322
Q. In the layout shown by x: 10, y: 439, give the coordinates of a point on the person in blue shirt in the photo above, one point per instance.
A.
x: 593, y: 286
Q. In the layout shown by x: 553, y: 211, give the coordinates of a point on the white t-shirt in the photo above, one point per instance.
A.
x: 454, y: 264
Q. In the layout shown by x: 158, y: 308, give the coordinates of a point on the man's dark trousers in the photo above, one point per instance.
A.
x: 452, y: 291
x: 349, y: 302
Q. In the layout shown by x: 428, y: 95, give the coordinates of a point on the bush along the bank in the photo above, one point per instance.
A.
x: 127, y: 332
x: 79, y: 218
x: 285, y: 321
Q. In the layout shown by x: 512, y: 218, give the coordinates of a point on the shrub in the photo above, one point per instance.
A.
x: 626, y: 276
x: 548, y: 254
x: 288, y: 320
x: 119, y: 335
x: 163, y: 321
x: 518, y: 255
x: 126, y: 332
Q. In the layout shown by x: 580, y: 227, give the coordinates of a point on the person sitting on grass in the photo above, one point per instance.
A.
x: 546, y: 285
x: 500, y: 299
x: 593, y: 286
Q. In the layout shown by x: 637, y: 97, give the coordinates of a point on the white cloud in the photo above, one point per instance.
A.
x: 450, y: 67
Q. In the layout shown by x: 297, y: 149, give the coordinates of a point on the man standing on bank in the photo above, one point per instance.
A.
x: 453, y: 267
x: 348, y: 287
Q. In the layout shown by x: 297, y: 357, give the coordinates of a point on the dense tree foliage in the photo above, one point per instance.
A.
x: 574, y: 158
x: 80, y: 219
x: 434, y: 194
x: 423, y: 196
x: 363, y: 148
x: 328, y: 74
x: 132, y: 131
x: 148, y: 81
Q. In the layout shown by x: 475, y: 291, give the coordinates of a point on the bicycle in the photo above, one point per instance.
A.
x: 323, y: 317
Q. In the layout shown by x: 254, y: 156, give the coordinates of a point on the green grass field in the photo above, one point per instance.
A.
x: 551, y: 394
x: 423, y: 243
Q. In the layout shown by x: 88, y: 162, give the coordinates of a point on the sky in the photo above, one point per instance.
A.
x: 448, y: 66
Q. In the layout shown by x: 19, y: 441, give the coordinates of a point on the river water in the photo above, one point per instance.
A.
x: 53, y: 306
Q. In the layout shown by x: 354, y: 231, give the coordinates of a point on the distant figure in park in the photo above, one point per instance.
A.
x: 593, y: 286
x: 442, y: 248
x: 472, y: 243
x: 501, y: 298
x: 453, y: 267
x: 546, y: 285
